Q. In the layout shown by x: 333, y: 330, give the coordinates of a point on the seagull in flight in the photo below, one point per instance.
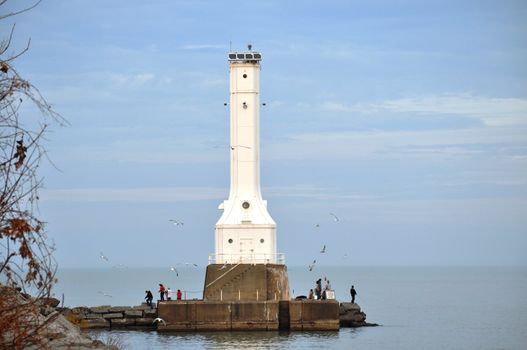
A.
x: 335, y: 217
x: 105, y: 294
x: 159, y: 319
x: 317, y: 225
x: 177, y: 222
x: 103, y: 257
x: 172, y: 268
x: 233, y: 147
x: 312, y: 265
x: 224, y: 266
x: 323, y: 249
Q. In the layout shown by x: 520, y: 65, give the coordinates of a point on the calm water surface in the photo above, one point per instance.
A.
x: 418, y: 307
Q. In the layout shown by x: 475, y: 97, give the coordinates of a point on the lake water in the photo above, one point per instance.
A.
x: 418, y: 307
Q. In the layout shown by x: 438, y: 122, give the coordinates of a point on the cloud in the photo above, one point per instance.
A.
x: 182, y: 194
x: 397, y: 144
x: 492, y: 111
x: 144, y: 194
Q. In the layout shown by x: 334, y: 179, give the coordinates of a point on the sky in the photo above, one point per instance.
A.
x: 406, y: 119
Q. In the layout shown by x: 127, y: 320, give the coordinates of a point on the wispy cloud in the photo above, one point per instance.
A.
x: 397, y: 144
x: 491, y: 110
x: 144, y: 194
x: 182, y: 194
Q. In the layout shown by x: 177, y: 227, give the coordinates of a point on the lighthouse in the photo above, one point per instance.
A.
x: 245, y: 232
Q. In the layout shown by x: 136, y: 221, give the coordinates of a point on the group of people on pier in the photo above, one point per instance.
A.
x: 164, y: 294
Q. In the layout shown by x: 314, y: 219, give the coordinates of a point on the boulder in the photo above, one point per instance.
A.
x: 150, y: 313
x: 145, y: 322
x: 350, y: 315
x: 121, y: 322
x: 133, y: 313
x: 119, y: 308
x: 113, y: 315
x: 52, y: 302
x: 100, y: 309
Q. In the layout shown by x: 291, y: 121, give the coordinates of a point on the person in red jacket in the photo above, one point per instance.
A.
x: 161, y: 291
x: 178, y: 294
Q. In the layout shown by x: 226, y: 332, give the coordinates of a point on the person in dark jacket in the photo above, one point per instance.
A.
x: 353, y: 292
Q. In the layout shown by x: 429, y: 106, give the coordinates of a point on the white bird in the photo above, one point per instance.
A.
x: 323, y: 249
x: 224, y: 266
x: 173, y: 269
x: 176, y: 222
x: 233, y: 147
x: 105, y: 294
x: 335, y: 217
x: 103, y: 257
x: 120, y: 266
x: 159, y: 319
x: 312, y: 265
x: 188, y: 264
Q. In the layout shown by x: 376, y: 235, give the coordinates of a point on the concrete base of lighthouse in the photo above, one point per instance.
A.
x: 246, y: 282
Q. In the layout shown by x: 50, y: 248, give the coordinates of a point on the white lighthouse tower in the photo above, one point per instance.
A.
x: 245, y: 233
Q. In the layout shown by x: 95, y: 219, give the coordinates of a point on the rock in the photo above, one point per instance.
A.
x: 80, y: 310
x: 144, y: 306
x: 150, y: 313
x: 113, y: 315
x: 145, y: 322
x: 100, y: 309
x: 133, y: 313
x: 350, y: 315
x: 122, y: 322
x: 53, y: 302
x: 119, y: 308
x: 95, y: 323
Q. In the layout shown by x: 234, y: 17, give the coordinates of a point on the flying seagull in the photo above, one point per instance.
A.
x: 176, y: 222
x: 105, y: 294
x: 172, y: 268
x: 323, y: 249
x: 103, y: 257
x: 312, y: 265
x: 317, y: 225
x: 233, y: 147
x: 159, y: 319
x: 335, y: 217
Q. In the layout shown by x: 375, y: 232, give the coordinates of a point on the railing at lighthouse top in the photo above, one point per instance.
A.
x: 256, y: 258
x: 245, y: 57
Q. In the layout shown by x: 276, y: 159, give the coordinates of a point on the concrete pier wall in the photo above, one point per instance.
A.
x: 246, y: 282
x: 301, y: 315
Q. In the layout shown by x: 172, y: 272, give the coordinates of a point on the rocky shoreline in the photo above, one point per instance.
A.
x: 107, y: 316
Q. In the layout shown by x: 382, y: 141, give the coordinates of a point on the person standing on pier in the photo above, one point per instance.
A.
x: 353, y: 292
x: 161, y: 291
x: 178, y: 294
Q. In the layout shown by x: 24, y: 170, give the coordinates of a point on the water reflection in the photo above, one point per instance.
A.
x: 218, y: 340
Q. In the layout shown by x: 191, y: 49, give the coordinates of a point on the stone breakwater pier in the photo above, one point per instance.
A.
x: 197, y: 315
x: 106, y: 316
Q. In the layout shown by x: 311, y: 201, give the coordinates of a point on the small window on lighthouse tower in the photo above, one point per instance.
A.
x: 261, y: 240
x: 230, y: 240
x: 246, y: 205
x: 245, y: 75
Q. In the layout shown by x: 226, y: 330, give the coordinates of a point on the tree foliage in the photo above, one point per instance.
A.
x: 26, y: 260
